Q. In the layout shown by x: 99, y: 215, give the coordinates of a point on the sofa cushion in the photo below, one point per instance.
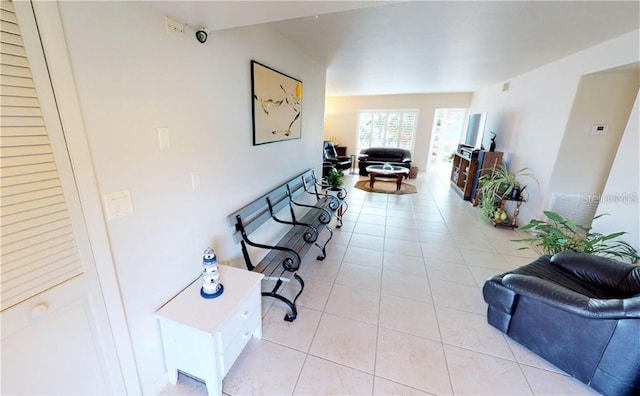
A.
x: 380, y: 155
x: 390, y: 154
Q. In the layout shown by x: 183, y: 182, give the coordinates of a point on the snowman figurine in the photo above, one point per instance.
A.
x: 211, y: 286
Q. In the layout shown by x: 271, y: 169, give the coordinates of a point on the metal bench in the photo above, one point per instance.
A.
x: 307, y: 221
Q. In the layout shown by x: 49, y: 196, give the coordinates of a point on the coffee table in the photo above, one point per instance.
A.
x: 378, y: 171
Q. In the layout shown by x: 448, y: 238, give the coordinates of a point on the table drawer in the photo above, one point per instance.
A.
x: 240, y: 317
x: 231, y: 352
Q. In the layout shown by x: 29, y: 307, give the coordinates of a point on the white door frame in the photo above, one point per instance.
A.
x: 41, y: 27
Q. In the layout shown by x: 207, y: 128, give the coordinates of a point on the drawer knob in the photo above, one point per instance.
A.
x: 247, y: 334
x: 38, y: 311
x: 245, y: 314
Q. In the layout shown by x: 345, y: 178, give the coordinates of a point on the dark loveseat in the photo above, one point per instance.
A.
x: 578, y: 311
x: 380, y: 155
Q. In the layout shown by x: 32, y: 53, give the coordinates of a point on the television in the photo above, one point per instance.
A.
x: 475, y: 130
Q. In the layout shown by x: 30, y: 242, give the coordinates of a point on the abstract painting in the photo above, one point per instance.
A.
x: 277, y: 105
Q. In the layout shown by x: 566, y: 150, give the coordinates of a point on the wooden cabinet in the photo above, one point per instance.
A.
x: 487, y: 161
x: 462, y: 174
x: 468, y: 166
x: 203, y: 337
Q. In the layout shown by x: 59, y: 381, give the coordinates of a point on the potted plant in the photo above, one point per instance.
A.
x: 503, y: 183
x: 488, y: 208
x: 499, y: 184
x: 334, y: 179
x: 558, y: 233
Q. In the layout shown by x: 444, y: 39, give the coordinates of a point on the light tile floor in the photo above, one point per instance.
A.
x: 396, y: 308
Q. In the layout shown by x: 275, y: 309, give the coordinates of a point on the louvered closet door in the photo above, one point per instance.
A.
x: 55, y: 337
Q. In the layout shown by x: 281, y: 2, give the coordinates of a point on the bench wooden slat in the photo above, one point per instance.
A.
x: 257, y: 213
x: 269, y: 268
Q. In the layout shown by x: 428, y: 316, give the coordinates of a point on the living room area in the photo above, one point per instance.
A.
x: 396, y: 308
x: 154, y: 137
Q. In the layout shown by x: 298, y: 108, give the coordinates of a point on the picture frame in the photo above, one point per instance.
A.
x: 276, y: 104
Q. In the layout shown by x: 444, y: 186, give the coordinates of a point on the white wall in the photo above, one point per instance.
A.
x: 132, y: 78
x: 531, y: 117
x: 620, y: 198
x: 601, y: 98
x: 341, y: 117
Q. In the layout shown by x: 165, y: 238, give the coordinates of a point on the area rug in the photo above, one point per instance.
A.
x: 386, y: 187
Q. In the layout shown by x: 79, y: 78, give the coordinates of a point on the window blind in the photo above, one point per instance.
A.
x: 387, y: 128
x: 38, y: 247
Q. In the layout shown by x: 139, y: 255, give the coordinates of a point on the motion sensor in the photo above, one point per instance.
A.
x: 202, y: 34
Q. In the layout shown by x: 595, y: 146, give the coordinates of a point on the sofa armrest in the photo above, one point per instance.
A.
x: 570, y: 301
x: 499, y: 296
x: 605, y: 272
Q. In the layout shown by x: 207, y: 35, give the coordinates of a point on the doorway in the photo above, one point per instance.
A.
x: 445, y: 136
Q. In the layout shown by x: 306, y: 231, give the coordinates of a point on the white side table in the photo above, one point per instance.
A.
x: 203, y: 337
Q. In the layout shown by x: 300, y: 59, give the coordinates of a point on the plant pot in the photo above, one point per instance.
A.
x: 502, y: 189
x: 515, y: 193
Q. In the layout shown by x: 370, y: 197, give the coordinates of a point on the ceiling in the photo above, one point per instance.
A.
x: 376, y: 48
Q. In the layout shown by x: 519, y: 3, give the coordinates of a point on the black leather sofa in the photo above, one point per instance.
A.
x: 380, y: 155
x: 578, y: 311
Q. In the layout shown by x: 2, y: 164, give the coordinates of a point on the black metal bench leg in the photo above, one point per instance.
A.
x: 289, y: 317
x: 324, y: 245
x: 340, y: 212
x: 301, y: 282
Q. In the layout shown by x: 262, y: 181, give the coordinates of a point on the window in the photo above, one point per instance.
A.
x: 387, y: 128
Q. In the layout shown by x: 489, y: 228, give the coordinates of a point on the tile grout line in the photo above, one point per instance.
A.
x: 435, y: 314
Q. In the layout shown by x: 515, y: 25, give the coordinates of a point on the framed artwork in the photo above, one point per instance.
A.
x: 277, y: 105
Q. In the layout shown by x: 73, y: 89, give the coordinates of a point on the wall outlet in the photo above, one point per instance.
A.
x: 164, y: 138
x: 174, y: 27
x: 195, y: 180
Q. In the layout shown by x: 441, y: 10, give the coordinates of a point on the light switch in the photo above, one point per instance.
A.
x: 195, y: 180
x: 164, y: 138
x: 118, y: 204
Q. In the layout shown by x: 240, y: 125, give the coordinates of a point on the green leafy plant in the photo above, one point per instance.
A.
x: 499, y: 182
x: 559, y: 233
x: 334, y: 179
x: 488, y: 208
